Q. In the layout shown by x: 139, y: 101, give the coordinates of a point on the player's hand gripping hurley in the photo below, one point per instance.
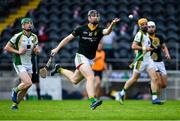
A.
x: 140, y: 57
x: 43, y: 71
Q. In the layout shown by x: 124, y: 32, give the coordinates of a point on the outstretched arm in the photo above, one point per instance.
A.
x: 109, y: 29
x: 61, y: 44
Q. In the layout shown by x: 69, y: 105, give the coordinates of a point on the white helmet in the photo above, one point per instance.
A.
x: 151, y: 23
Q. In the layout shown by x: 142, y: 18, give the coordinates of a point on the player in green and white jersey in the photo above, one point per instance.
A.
x: 22, y: 45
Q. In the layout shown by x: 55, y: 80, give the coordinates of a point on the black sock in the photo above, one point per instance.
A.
x: 38, y: 93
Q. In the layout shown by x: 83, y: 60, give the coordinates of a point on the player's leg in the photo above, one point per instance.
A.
x: 35, y: 80
x: 21, y: 71
x: 20, y: 91
x: 97, y: 85
x: 163, y: 81
x: 138, y: 68
x: 38, y: 90
x: 159, y: 82
x: 98, y: 78
x: 89, y: 75
x: 74, y: 77
x: 87, y: 72
x: 132, y: 80
x: 163, y: 75
x: 24, y: 86
x: 154, y: 85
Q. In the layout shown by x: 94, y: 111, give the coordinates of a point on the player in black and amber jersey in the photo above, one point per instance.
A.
x: 89, y: 38
x: 157, y: 42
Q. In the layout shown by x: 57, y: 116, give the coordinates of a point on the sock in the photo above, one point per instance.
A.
x: 15, y: 104
x: 60, y: 70
x: 38, y: 93
x: 92, y: 99
x: 123, y: 92
x: 150, y: 87
x: 154, y: 95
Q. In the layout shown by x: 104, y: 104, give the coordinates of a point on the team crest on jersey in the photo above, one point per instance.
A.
x: 91, y: 33
x: 154, y: 56
x: 156, y: 42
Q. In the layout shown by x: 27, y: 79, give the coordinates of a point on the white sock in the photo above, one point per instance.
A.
x: 122, y: 92
x: 154, y: 97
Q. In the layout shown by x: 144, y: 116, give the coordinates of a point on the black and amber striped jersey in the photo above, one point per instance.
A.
x: 156, y: 43
x: 88, y: 40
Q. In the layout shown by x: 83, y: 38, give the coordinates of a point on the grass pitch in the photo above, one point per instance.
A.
x: 79, y: 110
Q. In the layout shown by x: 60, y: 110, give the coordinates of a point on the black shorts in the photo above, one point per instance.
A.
x: 98, y: 73
x: 35, y: 78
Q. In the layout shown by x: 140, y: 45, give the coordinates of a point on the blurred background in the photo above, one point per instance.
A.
x: 55, y: 19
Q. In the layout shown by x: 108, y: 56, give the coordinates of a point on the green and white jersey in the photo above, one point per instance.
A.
x: 20, y: 40
x: 143, y: 40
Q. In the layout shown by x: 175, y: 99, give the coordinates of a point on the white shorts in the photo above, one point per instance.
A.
x: 141, y: 66
x: 160, y: 67
x: 23, y: 68
x: 81, y: 59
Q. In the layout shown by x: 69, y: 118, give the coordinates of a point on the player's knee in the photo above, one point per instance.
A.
x: 155, y: 79
x: 98, y: 82
x: 163, y: 85
x: 28, y: 84
x: 90, y: 77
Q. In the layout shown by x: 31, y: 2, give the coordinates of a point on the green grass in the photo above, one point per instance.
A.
x: 79, y: 110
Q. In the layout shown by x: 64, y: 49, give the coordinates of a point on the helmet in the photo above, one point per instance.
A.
x: 151, y: 23
x: 141, y: 21
x: 93, y: 12
x: 26, y: 20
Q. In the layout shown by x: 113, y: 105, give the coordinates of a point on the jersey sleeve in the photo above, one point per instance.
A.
x: 13, y: 39
x: 76, y: 32
x: 137, y: 37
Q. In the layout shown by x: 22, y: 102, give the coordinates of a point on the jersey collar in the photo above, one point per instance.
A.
x: 91, y: 27
x: 152, y: 36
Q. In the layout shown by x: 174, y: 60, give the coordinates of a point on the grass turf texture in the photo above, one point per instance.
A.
x: 79, y: 110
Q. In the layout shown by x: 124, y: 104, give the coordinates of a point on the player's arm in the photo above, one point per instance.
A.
x: 62, y: 44
x: 109, y: 29
x: 165, y: 51
x: 10, y: 48
x: 136, y: 46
